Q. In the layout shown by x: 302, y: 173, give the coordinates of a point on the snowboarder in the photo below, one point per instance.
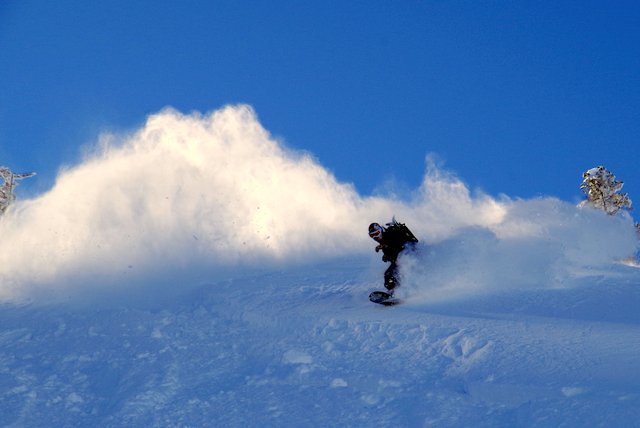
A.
x: 392, y: 240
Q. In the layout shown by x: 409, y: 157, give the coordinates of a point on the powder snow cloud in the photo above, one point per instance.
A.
x: 188, y: 195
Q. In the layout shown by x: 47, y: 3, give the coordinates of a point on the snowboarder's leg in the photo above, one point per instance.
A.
x: 391, y: 277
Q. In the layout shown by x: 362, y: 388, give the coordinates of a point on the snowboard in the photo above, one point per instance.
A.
x: 383, y: 298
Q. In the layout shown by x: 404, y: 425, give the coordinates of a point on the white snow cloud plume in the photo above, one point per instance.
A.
x: 538, y: 243
x: 188, y: 196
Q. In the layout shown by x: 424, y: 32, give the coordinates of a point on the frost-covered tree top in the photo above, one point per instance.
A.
x: 10, y: 181
x: 602, y: 190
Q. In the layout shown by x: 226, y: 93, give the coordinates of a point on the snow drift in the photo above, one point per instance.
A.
x: 192, y: 196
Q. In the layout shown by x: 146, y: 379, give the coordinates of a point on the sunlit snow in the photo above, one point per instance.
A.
x: 197, y: 272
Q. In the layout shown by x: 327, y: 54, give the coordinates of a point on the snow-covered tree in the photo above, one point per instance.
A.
x: 10, y: 182
x: 602, y: 190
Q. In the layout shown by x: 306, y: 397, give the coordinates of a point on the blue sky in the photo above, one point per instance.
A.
x: 514, y: 97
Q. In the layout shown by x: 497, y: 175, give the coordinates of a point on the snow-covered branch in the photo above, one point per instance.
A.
x: 10, y: 181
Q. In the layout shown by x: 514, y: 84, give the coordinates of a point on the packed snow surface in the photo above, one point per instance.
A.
x: 196, y: 272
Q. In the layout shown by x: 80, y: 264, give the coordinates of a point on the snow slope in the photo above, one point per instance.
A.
x: 303, y: 347
x: 198, y: 273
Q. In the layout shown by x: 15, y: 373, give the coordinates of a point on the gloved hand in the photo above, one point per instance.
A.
x: 378, y: 248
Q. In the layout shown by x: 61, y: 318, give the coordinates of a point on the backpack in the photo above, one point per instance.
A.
x: 401, y: 230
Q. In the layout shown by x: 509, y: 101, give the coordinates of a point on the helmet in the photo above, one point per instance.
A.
x: 375, y: 231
